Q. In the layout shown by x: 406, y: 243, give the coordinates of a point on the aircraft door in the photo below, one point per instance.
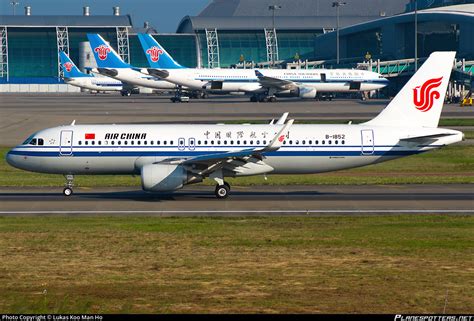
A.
x: 65, y: 147
x: 323, y: 77
x: 367, y: 136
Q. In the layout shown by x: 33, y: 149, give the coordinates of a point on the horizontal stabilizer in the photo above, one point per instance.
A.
x: 420, y: 138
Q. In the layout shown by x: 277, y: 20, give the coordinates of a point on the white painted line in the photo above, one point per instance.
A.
x: 433, y: 211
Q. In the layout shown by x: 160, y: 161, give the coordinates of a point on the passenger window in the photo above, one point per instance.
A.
x: 131, y: 142
x: 93, y: 142
x: 86, y: 142
x: 80, y: 143
x: 164, y: 142
x: 171, y: 142
x: 99, y: 142
x: 343, y: 142
x: 336, y: 142
x: 112, y: 142
x: 323, y: 142
x: 145, y: 142
x: 119, y: 142
x: 125, y: 142
x: 138, y: 142
x: 151, y: 143
x: 212, y: 142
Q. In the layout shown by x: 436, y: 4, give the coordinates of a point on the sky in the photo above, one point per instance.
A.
x: 164, y: 15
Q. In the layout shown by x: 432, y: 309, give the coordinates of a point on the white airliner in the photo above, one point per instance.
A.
x: 73, y: 76
x: 263, y: 84
x: 110, y: 64
x: 170, y: 156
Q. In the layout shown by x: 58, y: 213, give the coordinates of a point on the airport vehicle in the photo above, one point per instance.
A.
x: 111, y: 65
x: 262, y: 84
x: 73, y: 76
x: 170, y: 156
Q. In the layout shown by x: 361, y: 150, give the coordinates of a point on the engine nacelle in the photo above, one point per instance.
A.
x: 307, y: 92
x: 163, y: 177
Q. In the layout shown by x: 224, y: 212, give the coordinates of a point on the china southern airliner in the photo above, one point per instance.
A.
x: 170, y: 156
x: 74, y: 77
x: 261, y: 84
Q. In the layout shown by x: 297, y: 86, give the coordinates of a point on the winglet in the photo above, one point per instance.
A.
x: 282, y: 119
x: 278, y: 140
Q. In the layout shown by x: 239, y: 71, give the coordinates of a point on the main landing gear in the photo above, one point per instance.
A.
x: 263, y: 98
x: 222, y: 187
x: 222, y: 191
x: 67, y: 191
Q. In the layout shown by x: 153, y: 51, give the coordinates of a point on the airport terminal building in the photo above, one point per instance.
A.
x: 238, y: 33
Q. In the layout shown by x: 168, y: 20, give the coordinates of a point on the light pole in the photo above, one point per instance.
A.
x: 337, y: 4
x: 14, y: 4
x: 416, y: 35
x: 273, y: 8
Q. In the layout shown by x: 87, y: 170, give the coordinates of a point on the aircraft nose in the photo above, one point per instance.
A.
x: 10, y: 159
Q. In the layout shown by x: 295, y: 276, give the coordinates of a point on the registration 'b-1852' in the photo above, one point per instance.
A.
x: 170, y: 156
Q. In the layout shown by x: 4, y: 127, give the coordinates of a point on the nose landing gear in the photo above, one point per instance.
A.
x: 67, y: 191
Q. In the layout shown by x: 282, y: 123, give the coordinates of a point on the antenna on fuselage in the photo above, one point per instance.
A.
x: 73, y: 122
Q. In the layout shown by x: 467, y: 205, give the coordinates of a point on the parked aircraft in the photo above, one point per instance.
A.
x: 261, y: 84
x: 110, y: 64
x: 73, y: 76
x: 170, y: 156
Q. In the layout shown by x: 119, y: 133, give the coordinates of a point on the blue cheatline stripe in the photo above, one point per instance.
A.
x: 200, y: 153
x: 211, y: 146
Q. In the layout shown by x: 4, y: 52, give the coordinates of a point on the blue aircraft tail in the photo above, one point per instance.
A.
x: 157, y: 56
x: 69, y: 68
x: 105, y: 56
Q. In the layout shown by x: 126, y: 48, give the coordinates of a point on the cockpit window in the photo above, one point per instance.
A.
x: 40, y: 141
x: 28, y: 140
x: 32, y: 142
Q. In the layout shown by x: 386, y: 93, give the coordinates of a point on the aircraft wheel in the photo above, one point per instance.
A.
x: 253, y: 99
x: 272, y: 99
x: 222, y: 191
x: 67, y: 191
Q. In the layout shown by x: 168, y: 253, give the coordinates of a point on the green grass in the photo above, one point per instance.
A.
x: 453, y: 164
x: 377, y: 264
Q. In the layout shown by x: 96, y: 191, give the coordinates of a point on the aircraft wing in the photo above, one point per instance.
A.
x: 271, y: 82
x: 206, y: 164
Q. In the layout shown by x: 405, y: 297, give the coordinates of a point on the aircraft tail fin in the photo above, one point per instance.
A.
x: 157, y: 56
x: 69, y: 68
x: 105, y: 56
x: 421, y: 100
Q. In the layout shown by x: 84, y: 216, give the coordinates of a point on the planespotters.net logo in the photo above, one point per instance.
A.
x: 425, y: 95
x: 154, y: 53
x: 444, y: 317
x: 68, y: 66
x: 102, y: 51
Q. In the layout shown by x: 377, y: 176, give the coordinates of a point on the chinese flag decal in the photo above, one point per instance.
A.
x: 90, y: 136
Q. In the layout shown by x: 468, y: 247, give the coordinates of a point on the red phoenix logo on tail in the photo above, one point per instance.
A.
x: 154, y: 53
x: 424, y: 97
x: 68, y: 66
x: 102, y: 51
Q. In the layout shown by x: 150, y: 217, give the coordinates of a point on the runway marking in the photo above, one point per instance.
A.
x: 412, y: 211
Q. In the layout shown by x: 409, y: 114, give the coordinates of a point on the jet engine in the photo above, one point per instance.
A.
x: 165, y: 177
x: 307, y: 92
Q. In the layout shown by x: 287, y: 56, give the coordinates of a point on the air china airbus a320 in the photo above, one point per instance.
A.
x: 170, y: 156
